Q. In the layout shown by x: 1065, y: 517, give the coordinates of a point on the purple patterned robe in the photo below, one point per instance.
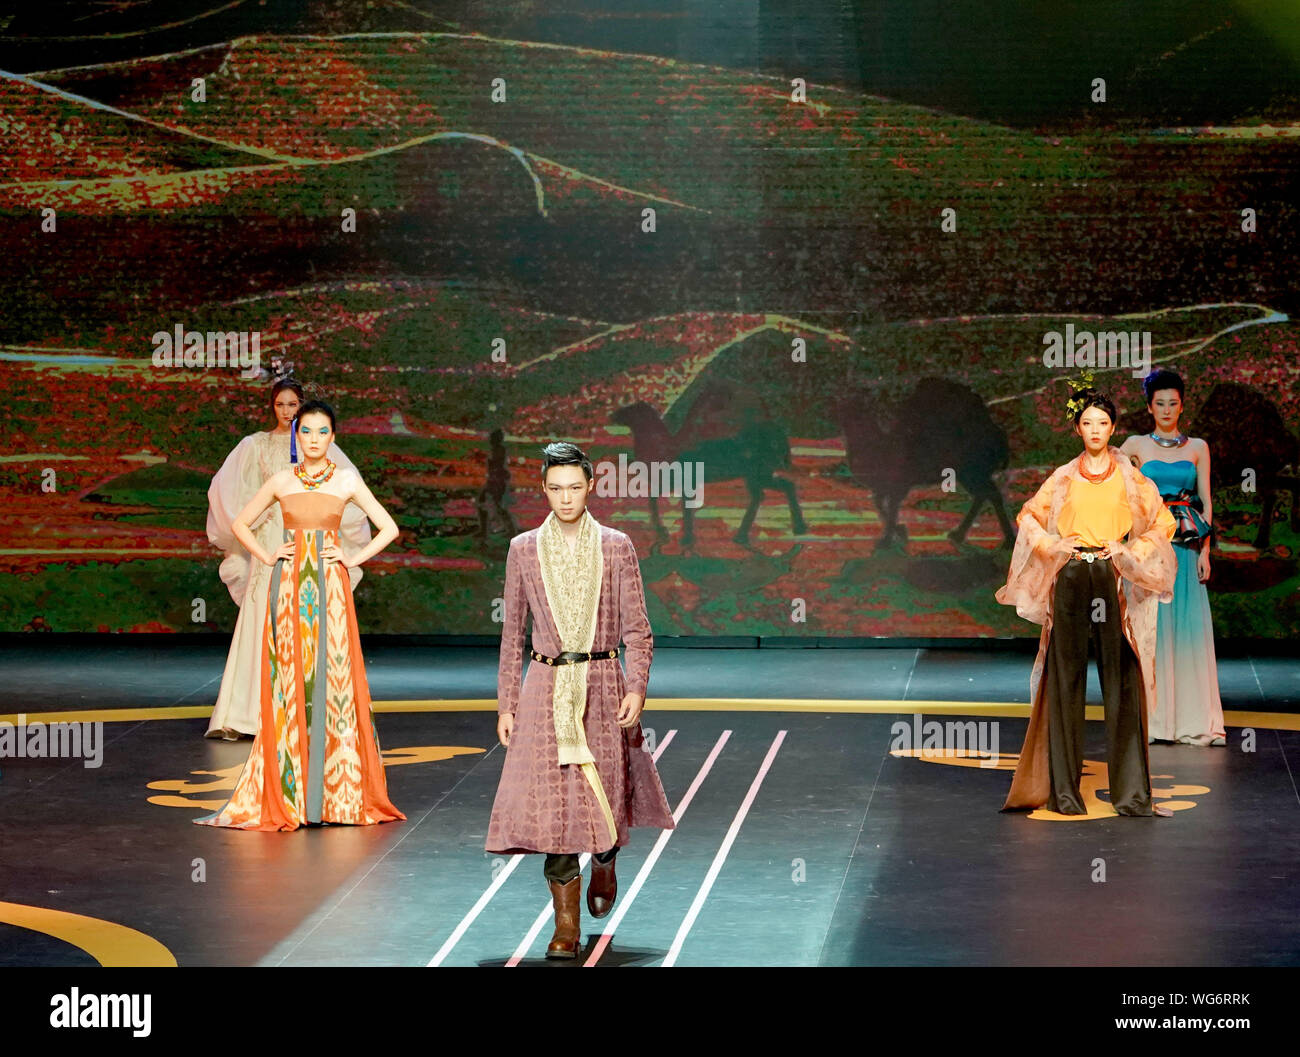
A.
x: 540, y: 805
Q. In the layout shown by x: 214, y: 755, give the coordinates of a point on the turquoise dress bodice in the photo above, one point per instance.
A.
x: 1177, y: 483
x: 1171, y: 477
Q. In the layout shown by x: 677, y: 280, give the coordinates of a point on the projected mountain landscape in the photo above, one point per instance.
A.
x: 453, y: 230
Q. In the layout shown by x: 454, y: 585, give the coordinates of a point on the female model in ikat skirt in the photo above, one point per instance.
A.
x: 253, y: 462
x: 316, y: 755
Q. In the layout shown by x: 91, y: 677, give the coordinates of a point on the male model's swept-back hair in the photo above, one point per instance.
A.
x: 562, y: 453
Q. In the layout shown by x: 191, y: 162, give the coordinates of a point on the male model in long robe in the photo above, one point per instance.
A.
x: 576, y: 775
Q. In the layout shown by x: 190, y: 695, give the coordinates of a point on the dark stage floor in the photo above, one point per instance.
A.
x: 807, y: 834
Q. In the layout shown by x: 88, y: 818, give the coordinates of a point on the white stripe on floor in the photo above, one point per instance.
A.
x: 721, y: 857
x: 459, y: 931
x: 623, y: 904
x: 548, y: 912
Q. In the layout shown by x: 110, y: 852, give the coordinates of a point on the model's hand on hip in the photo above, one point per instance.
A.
x: 1066, y: 544
x: 333, y: 553
x: 630, y: 710
x: 505, y: 727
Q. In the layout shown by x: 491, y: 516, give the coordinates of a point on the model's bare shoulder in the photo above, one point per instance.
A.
x: 1147, y: 487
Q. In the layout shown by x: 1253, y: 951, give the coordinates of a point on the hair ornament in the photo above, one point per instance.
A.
x: 1077, y: 387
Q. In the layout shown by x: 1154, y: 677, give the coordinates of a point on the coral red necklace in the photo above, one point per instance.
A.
x: 1097, y: 478
x: 314, y: 480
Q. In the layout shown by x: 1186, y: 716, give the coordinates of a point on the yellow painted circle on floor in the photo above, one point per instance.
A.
x: 107, y: 942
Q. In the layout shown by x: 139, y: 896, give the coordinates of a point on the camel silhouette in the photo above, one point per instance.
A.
x: 751, y: 453
x: 939, y: 426
x: 1245, y: 431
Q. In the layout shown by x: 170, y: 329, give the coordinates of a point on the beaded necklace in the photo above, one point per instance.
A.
x: 1097, y: 478
x: 312, y: 481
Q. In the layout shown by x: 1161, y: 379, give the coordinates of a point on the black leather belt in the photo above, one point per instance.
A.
x: 574, y: 658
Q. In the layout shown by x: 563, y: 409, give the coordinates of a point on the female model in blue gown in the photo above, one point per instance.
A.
x: 1188, y: 708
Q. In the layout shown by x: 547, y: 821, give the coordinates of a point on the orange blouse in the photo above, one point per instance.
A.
x: 1097, y: 512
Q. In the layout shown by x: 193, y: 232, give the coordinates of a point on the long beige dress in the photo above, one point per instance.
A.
x: 254, y: 460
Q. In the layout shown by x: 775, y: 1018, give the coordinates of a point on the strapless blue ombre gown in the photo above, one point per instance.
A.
x: 1187, y: 707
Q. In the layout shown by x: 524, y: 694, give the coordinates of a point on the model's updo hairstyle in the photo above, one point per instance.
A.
x: 1086, y: 398
x: 316, y: 407
x: 1161, y: 379
x: 291, y: 384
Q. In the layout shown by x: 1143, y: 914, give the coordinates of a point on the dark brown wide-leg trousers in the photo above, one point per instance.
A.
x: 1085, y: 611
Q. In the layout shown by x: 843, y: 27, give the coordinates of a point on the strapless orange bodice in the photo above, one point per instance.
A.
x: 308, y: 511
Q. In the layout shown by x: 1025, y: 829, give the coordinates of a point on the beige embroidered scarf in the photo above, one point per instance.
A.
x: 572, y: 577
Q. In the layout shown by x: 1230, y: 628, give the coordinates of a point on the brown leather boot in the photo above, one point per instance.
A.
x: 568, y: 929
x: 602, y: 889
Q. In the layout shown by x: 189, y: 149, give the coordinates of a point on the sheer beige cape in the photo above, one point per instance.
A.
x: 1146, y: 574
